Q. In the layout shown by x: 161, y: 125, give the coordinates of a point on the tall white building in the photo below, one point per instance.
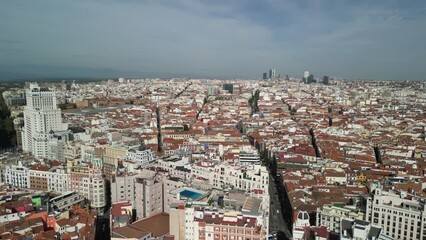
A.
x: 272, y: 73
x: 306, y: 74
x: 41, y: 118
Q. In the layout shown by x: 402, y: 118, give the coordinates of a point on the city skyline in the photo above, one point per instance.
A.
x: 358, y: 40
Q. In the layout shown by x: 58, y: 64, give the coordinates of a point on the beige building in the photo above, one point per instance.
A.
x: 123, y: 187
x: 177, y: 222
x: 89, y: 182
x: 148, y: 197
x: 111, y: 157
x: 330, y: 216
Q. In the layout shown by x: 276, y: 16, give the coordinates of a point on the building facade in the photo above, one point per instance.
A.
x: 41, y: 118
x: 89, y: 182
x: 17, y: 176
x: 208, y: 224
x: 400, y: 217
x: 123, y: 187
x: 148, y: 197
x: 330, y: 216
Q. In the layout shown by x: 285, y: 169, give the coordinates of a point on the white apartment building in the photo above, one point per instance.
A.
x: 57, y: 180
x: 247, y: 158
x: 400, y: 217
x: 41, y: 117
x: 17, y: 176
x: 224, y: 175
x: 141, y: 158
x: 330, y: 216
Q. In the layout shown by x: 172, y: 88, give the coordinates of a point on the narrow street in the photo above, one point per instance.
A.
x: 102, y: 227
x: 276, y: 218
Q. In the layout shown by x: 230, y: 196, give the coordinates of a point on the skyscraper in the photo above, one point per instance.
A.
x: 310, y: 79
x: 306, y: 74
x: 272, y: 73
x: 42, y: 118
x: 326, y: 80
x: 265, y: 75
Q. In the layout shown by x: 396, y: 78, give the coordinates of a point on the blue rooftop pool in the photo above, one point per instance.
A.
x: 190, y: 194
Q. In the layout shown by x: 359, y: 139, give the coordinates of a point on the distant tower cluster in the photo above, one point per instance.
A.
x: 306, y: 74
x: 272, y: 74
x: 309, y: 78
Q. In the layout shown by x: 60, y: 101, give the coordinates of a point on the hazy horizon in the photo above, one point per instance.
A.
x: 220, y: 39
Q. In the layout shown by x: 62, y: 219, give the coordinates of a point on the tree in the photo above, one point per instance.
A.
x: 7, y: 131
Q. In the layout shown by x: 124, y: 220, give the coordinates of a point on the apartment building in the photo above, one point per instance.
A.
x: 72, y: 151
x: 224, y: 175
x: 142, y: 156
x: 148, y: 197
x: 204, y: 223
x: 248, y: 157
x: 400, y: 215
x: 361, y: 230
x: 57, y: 180
x: 87, y: 181
x: 330, y: 216
x: 38, y: 175
x: 17, y: 176
x: 123, y: 187
x: 240, y: 177
x: 112, y: 155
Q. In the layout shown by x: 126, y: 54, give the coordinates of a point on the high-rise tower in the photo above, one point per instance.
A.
x: 42, y: 119
x: 306, y: 74
x: 272, y: 73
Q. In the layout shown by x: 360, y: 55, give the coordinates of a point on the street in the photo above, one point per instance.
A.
x: 276, y: 220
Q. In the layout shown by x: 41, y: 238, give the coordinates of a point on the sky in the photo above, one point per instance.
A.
x: 222, y: 39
